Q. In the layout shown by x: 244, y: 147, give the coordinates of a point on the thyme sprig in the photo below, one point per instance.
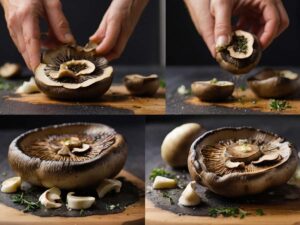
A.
x: 160, y: 172
x: 29, y: 205
x: 279, y: 105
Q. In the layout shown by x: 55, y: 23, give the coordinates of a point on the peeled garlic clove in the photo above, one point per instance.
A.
x: 28, y: 87
x: 79, y: 202
x: 49, y: 198
x: 84, y: 148
x: 164, y: 183
x: 189, y: 197
x: 107, y: 186
x: 11, y: 185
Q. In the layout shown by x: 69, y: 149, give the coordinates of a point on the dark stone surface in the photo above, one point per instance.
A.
x: 158, y: 127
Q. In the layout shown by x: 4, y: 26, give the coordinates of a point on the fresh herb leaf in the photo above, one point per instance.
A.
x: 112, y: 207
x: 279, y: 105
x: 242, y: 88
x: 228, y: 212
x: 260, y: 212
x: 160, y: 172
x: 167, y: 195
x: 162, y: 84
x: 29, y: 205
x: 81, y: 212
x: 239, y: 44
x: 214, y: 81
x: 5, y: 85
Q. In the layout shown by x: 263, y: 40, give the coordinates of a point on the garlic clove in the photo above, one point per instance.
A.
x: 79, y: 202
x: 189, y: 197
x: 28, y: 87
x: 107, y: 186
x: 50, y: 197
x: 11, y: 185
x: 164, y: 183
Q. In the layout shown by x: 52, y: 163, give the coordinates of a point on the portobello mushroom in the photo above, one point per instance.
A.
x: 241, y: 161
x: 73, y: 73
x: 270, y: 83
x: 241, y: 55
x: 47, y: 156
x: 211, y: 91
x: 142, y: 85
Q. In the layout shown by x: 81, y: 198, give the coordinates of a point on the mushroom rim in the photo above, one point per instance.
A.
x: 275, y: 78
x: 15, y: 143
x: 193, y: 153
x: 208, y: 82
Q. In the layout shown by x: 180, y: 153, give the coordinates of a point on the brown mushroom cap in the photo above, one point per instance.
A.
x: 236, y: 65
x: 91, y: 84
x: 270, y: 83
x: 142, y: 85
x: 210, y: 153
x: 212, y: 91
x: 35, y: 156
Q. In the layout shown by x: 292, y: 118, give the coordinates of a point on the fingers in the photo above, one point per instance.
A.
x: 284, y: 19
x: 58, y: 21
x: 119, y: 47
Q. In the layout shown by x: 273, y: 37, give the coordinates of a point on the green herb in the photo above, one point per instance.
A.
x: 279, y: 105
x: 243, y: 88
x: 259, y: 212
x: 166, y: 195
x: 5, y: 85
x: 29, y: 205
x: 160, y: 172
x: 227, y: 212
x: 112, y: 207
x: 162, y: 84
x: 81, y: 212
x: 214, y: 81
x: 239, y: 44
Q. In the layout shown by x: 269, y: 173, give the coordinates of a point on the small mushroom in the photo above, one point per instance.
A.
x: 28, y: 87
x: 79, y: 202
x: 241, y: 55
x: 271, y: 83
x: 164, y: 183
x: 50, y: 198
x: 213, y: 90
x: 142, y: 85
x: 176, y: 145
x: 9, y: 70
x: 268, y: 159
x: 108, y: 185
x: 11, y: 185
x: 189, y: 197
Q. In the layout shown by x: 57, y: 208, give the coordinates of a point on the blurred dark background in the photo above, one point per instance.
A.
x: 185, y: 46
x: 84, y: 18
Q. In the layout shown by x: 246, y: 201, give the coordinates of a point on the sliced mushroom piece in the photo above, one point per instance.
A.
x: 212, y: 90
x: 64, y: 151
x: 164, y: 183
x: 28, y: 87
x: 210, y: 152
x: 270, y: 83
x: 241, y: 55
x: 84, y: 148
x: 273, y: 157
x: 90, y: 46
x: 233, y: 165
x: 11, y: 185
x: 176, y: 145
x: 108, y: 185
x: 9, y: 70
x: 189, y: 196
x: 34, y: 156
x: 142, y: 85
x: 71, y: 73
x: 50, y: 198
x: 79, y: 202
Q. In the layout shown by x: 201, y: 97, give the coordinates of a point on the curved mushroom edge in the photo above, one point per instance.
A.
x: 218, y: 184
x: 142, y: 85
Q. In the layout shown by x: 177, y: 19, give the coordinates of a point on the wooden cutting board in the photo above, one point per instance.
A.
x: 117, y: 97
x: 133, y: 214
x: 274, y: 215
x: 248, y: 100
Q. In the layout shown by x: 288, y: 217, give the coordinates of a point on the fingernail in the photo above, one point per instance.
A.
x: 69, y: 37
x: 222, y: 41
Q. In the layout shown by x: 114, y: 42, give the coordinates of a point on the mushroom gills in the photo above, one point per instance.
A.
x: 79, y: 202
x: 164, y: 183
x: 270, y: 158
x: 108, y: 185
x: 11, y: 185
x: 189, y: 196
x: 50, y: 198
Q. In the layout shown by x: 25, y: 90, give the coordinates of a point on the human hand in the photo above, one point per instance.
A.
x: 117, y: 26
x: 267, y: 19
x: 22, y: 19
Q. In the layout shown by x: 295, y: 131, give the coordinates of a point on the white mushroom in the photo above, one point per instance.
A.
x: 189, y: 197
x: 108, y: 185
x: 84, y: 148
x: 50, y: 198
x: 28, y: 87
x: 164, y: 183
x: 11, y: 185
x: 79, y: 202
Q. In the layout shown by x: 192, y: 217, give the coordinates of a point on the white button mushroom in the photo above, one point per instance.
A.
x: 50, y: 198
x: 164, y: 183
x: 108, y: 185
x: 11, y: 185
x: 189, y: 197
x: 79, y: 202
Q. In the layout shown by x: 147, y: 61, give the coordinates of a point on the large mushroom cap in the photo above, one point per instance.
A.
x: 241, y: 161
x: 212, y: 90
x: 270, y: 83
x: 68, y: 156
x: 241, y: 55
x: 73, y: 73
